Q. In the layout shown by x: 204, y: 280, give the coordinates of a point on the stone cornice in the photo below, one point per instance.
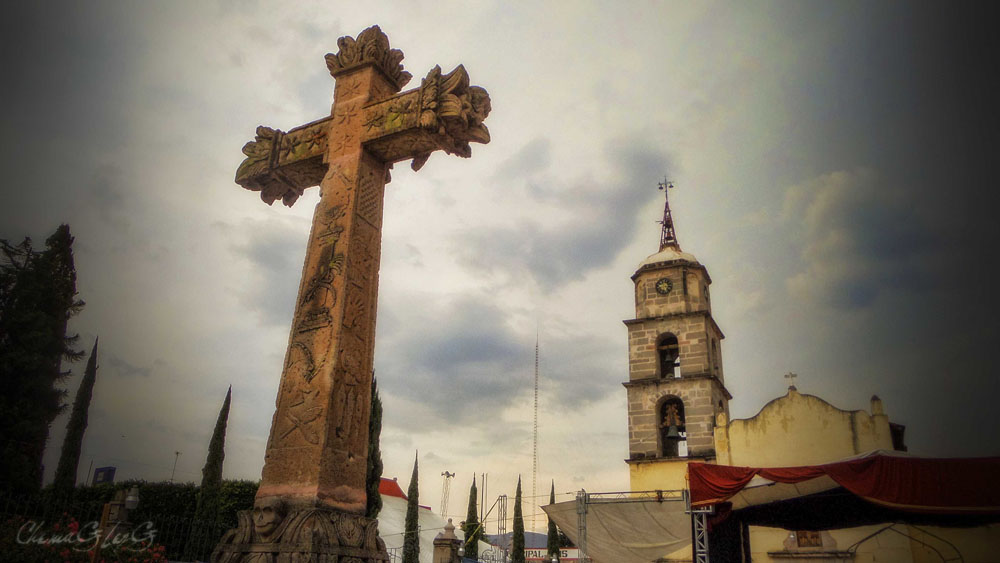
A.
x: 704, y: 456
x: 630, y: 322
x: 657, y: 381
x: 673, y: 264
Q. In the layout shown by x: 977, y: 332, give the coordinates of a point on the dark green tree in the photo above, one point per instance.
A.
x: 517, y: 541
x: 37, y: 299
x: 207, y: 509
x: 374, y: 476
x: 69, y: 458
x: 553, y: 540
x: 473, y: 530
x: 411, y: 528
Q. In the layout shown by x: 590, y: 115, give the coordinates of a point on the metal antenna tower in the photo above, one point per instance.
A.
x: 667, y: 236
x: 445, y: 492
x: 534, y: 452
x: 502, y: 515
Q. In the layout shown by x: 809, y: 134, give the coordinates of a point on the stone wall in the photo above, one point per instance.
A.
x: 644, y: 399
x: 695, y: 333
x: 689, y: 292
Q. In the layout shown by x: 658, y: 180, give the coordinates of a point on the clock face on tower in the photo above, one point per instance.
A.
x: 663, y: 286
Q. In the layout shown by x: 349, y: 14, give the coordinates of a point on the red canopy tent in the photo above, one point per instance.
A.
x: 959, y: 486
x: 879, y: 487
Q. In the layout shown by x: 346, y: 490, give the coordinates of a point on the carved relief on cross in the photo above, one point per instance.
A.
x: 317, y: 450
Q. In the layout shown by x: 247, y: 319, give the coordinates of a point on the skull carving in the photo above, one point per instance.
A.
x: 267, y: 514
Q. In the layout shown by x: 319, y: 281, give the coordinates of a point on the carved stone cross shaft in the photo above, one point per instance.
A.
x: 318, y: 447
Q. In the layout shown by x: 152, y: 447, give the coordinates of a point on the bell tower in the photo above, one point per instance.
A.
x: 676, y: 386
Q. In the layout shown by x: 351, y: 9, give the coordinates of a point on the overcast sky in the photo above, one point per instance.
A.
x: 834, y: 165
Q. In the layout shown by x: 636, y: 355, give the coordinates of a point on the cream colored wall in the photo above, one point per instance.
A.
x: 800, y: 429
x: 887, y: 546
x: 919, y: 544
x: 667, y: 475
x: 976, y: 545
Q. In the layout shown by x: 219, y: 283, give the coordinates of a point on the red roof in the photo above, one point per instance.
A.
x: 390, y: 488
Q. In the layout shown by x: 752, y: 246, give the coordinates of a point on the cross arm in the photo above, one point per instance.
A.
x: 444, y: 113
x: 282, y: 165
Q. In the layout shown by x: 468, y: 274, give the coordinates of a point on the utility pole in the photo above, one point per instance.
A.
x: 534, y: 450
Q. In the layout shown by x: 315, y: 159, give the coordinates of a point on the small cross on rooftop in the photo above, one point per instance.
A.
x: 790, y: 376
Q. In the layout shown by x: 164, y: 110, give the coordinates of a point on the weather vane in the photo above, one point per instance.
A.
x: 667, y: 236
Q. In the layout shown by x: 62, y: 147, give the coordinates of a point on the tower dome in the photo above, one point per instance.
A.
x: 666, y: 255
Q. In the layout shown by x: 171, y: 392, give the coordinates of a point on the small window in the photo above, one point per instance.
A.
x: 808, y: 538
x: 668, y: 353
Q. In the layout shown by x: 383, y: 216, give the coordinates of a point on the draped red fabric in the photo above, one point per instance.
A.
x: 949, y: 486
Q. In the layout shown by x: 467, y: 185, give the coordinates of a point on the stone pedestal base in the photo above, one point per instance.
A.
x: 313, y: 535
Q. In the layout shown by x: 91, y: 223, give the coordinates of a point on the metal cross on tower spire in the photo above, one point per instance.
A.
x: 667, y: 236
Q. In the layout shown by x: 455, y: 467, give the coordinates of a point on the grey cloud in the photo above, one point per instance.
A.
x: 125, y: 369
x: 457, y: 358
x: 461, y: 359
x: 533, y: 157
x: 276, y: 251
x: 603, y: 221
x: 861, y: 238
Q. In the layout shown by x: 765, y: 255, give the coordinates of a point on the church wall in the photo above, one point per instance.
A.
x: 658, y: 475
x: 887, y: 546
x: 800, y: 430
x: 919, y: 544
x: 976, y: 545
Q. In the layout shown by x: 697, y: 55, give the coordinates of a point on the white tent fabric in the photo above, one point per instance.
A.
x: 626, y: 530
x: 764, y: 491
x: 392, y: 523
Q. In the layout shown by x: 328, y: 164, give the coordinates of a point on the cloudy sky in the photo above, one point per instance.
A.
x: 833, y: 164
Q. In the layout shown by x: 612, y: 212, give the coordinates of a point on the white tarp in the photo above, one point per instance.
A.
x: 392, y: 522
x: 626, y: 530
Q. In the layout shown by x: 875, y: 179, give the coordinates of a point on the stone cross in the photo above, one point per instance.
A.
x: 791, y: 379
x: 318, y: 447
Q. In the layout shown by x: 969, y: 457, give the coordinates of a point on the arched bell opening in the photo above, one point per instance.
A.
x: 668, y: 356
x: 673, y: 433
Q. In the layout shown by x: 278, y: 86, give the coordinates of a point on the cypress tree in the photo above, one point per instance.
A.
x: 69, y: 458
x: 473, y: 531
x: 553, y: 539
x: 374, y: 476
x: 37, y: 299
x: 517, y: 541
x: 411, y: 529
x: 207, y: 509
